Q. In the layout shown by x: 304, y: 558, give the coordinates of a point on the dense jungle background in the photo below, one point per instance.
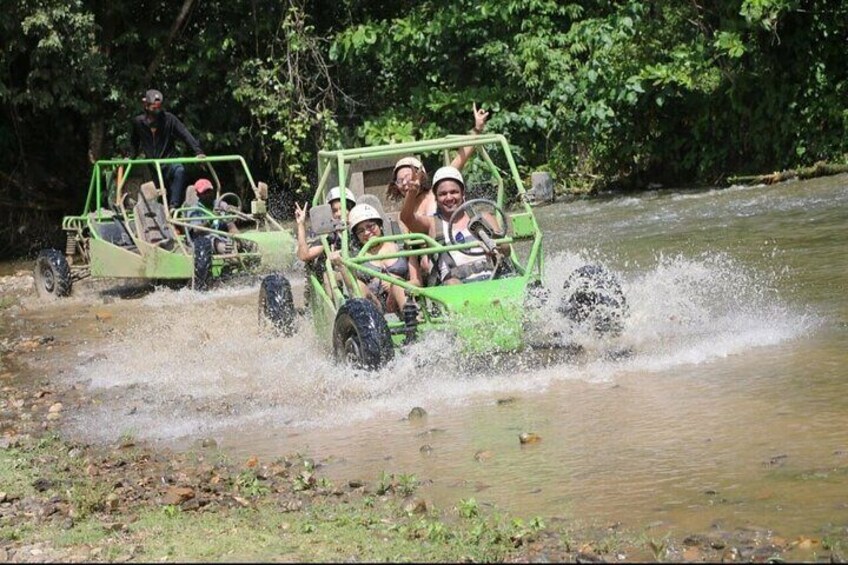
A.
x: 603, y: 94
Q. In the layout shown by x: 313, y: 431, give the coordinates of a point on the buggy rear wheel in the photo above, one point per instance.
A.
x: 594, y: 301
x: 361, y: 335
x: 52, y: 274
x: 276, y: 303
x: 202, y: 276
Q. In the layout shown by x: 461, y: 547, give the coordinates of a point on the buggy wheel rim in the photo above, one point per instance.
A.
x: 47, y: 278
x: 352, y: 351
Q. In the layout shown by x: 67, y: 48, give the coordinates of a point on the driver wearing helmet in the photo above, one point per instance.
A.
x: 453, y: 267
x: 366, y: 223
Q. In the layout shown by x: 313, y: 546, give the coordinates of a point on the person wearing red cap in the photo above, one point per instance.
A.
x: 204, y: 215
x: 154, y: 133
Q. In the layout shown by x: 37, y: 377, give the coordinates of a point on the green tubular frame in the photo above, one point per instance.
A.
x: 476, y: 299
x: 160, y: 263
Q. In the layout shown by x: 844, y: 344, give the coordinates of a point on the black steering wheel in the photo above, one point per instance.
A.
x: 480, y: 212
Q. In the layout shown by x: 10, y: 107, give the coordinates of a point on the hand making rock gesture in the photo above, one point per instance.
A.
x: 480, y: 117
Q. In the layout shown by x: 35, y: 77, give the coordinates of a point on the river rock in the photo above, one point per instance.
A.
x: 190, y: 505
x: 55, y: 407
x: 730, y: 555
x: 208, y: 443
x: 176, y: 495
x: 42, y: 484
x: 483, y: 455
x: 103, y: 315
x: 414, y: 505
x: 541, y: 188
x: 417, y: 413
x: 112, y: 502
x: 528, y: 438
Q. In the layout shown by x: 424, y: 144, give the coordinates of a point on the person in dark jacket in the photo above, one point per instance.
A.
x: 154, y: 133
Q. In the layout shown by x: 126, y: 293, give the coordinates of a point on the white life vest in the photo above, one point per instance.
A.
x: 456, y: 264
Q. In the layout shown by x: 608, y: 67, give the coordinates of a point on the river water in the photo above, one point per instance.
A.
x: 732, y: 410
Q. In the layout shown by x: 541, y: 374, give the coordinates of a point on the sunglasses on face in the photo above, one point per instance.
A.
x: 367, y: 226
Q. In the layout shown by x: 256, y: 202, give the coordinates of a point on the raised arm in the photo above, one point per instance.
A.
x: 409, y: 216
x: 464, y: 153
x: 304, y: 251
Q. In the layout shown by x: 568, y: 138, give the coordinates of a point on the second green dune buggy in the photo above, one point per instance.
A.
x: 127, y: 229
x: 485, y: 316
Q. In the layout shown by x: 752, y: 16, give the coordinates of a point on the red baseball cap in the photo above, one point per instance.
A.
x: 202, y: 185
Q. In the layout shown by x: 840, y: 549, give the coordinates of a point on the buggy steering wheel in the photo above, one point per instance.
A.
x: 479, y: 211
x: 235, y: 200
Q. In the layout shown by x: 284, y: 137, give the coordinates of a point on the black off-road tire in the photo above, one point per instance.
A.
x: 276, y: 303
x: 52, y: 274
x: 361, y: 335
x: 593, y: 300
x: 202, y: 277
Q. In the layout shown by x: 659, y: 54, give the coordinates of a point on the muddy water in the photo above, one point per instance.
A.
x: 731, y: 412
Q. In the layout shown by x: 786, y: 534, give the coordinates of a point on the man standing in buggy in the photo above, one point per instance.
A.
x: 153, y: 134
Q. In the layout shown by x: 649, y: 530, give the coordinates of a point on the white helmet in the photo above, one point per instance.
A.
x: 362, y: 212
x: 336, y: 194
x: 448, y: 173
x: 407, y: 162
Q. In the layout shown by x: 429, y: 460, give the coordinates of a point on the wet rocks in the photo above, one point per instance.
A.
x: 417, y: 413
x: 414, y: 505
x: 526, y: 438
x: 483, y: 455
x: 42, y: 484
x: 103, y: 315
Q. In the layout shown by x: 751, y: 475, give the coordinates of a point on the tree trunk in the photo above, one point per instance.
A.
x: 175, y: 29
x: 820, y: 169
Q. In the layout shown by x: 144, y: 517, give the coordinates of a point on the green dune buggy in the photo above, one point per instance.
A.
x: 485, y: 316
x: 127, y: 229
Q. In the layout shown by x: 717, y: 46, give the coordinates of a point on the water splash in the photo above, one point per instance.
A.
x: 198, y: 363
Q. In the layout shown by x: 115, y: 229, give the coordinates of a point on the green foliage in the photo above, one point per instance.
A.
x: 403, y: 484
x: 171, y: 510
x: 624, y: 90
x: 595, y: 92
x: 468, y: 508
x: 248, y: 483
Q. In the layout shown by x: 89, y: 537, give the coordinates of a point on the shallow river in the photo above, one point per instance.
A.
x: 732, y: 411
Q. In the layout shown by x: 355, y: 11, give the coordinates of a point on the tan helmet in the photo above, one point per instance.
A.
x: 362, y: 212
x: 336, y: 194
x: 448, y: 173
x: 407, y: 162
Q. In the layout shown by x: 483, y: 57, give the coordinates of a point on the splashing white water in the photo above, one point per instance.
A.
x: 198, y: 363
